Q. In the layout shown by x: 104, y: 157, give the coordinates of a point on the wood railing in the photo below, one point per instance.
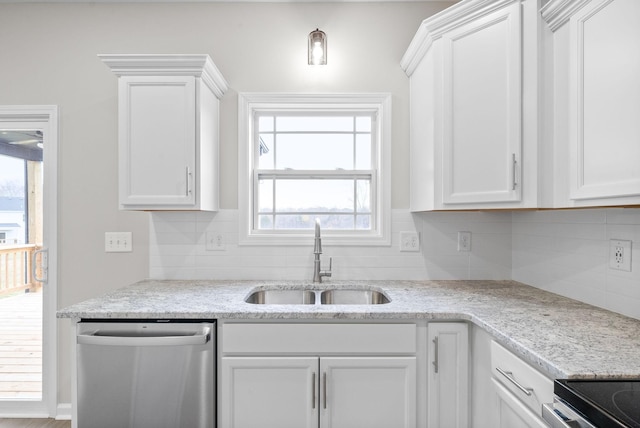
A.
x: 15, y: 267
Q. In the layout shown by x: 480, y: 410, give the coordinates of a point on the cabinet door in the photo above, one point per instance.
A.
x: 511, y: 412
x: 604, y: 100
x: 368, y: 392
x: 448, y: 379
x: 269, y: 392
x: 482, y: 109
x: 157, y: 140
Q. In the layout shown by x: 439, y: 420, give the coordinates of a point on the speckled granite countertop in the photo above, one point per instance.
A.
x: 562, y: 337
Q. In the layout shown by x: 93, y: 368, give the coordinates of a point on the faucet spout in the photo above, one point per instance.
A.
x: 318, y: 273
x: 317, y: 243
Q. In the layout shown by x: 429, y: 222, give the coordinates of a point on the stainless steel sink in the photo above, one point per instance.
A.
x: 345, y: 296
x: 282, y: 297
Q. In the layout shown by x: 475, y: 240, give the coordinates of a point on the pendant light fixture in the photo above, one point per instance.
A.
x: 317, y: 49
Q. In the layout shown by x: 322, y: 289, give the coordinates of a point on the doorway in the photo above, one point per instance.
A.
x: 28, y: 211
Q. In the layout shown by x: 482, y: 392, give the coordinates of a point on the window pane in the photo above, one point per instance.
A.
x: 363, y: 222
x: 265, y: 123
x: 314, y: 195
x: 265, y: 222
x: 363, y: 124
x: 315, y: 151
x: 304, y: 123
x: 266, y: 151
x: 363, y: 151
x: 305, y: 221
x: 363, y: 196
x: 295, y: 221
x: 265, y: 195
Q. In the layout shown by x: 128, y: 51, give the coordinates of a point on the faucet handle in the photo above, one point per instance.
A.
x: 327, y: 272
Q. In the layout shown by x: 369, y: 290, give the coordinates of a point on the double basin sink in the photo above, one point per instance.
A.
x: 336, y: 296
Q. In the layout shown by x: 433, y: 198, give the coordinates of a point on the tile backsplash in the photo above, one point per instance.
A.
x: 567, y: 252
x: 563, y: 251
x: 177, y: 250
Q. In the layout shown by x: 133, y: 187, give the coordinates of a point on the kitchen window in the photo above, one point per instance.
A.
x: 304, y: 157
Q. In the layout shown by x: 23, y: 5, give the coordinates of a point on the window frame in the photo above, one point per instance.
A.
x: 251, y: 103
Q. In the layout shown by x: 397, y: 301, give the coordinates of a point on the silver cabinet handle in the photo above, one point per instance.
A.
x: 324, y: 389
x: 313, y: 390
x: 510, y: 378
x: 435, y: 359
x: 515, y: 163
x: 113, y: 339
x: 188, y: 181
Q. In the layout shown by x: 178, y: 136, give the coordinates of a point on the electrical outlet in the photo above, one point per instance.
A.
x: 409, y: 241
x: 464, y: 241
x: 118, y: 242
x: 620, y: 255
x: 215, y: 241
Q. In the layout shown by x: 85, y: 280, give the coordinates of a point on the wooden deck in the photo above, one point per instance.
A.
x: 21, y: 346
x: 34, y: 423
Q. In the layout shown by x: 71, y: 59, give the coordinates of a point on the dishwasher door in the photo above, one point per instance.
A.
x: 147, y: 374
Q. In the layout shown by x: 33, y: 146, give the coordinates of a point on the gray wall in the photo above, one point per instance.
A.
x: 48, y: 56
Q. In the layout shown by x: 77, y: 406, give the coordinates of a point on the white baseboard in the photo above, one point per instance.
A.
x: 63, y: 412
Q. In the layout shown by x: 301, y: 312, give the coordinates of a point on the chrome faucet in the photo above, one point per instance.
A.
x: 317, y: 250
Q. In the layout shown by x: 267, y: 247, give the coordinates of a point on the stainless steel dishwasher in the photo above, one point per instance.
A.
x: 146, y: 374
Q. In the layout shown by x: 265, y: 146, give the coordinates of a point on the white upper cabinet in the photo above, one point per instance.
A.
x: 168, y: 108
x: 481, y: 108
x: 596, y: 54
x: 474, y: 119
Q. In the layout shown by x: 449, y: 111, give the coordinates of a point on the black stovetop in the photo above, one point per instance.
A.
x: 606, y: 403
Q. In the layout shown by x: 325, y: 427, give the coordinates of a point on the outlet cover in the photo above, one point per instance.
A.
x: 464, y: 241
x: 409, y: 241
x: 215, y: 241
x: 620, y: 255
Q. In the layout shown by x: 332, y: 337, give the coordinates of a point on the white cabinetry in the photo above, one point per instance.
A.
x: 473, y: 106
x: 342, y: 375
x: 448, y: 379
x: 511, y: 412
x: 481, y: 108
x: 596, y: 55
x: 269, y: 392
x: 519, y: 390
x: 168, y: 107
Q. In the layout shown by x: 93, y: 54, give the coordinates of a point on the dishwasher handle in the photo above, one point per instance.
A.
x: 113, y: 339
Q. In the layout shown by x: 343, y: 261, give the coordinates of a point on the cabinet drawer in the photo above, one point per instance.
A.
x: 278, y: 338
x: 511, y: 371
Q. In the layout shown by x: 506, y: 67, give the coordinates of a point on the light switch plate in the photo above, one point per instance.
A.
x: 118, y: 242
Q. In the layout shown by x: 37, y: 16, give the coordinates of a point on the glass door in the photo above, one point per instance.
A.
x: 27, y: 231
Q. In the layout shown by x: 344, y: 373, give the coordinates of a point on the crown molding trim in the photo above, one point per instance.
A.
x: 435, y: 26
x: 556, y: 13
x: 198, y: 65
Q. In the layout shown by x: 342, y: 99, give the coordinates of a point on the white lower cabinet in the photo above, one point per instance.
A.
x: 368, y: 392
x: 327, y: 392
x: 314, y: 375
x: 448, y: 378
x: 269, y: 392
x: 519, y: 389
x: 513, y: 413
